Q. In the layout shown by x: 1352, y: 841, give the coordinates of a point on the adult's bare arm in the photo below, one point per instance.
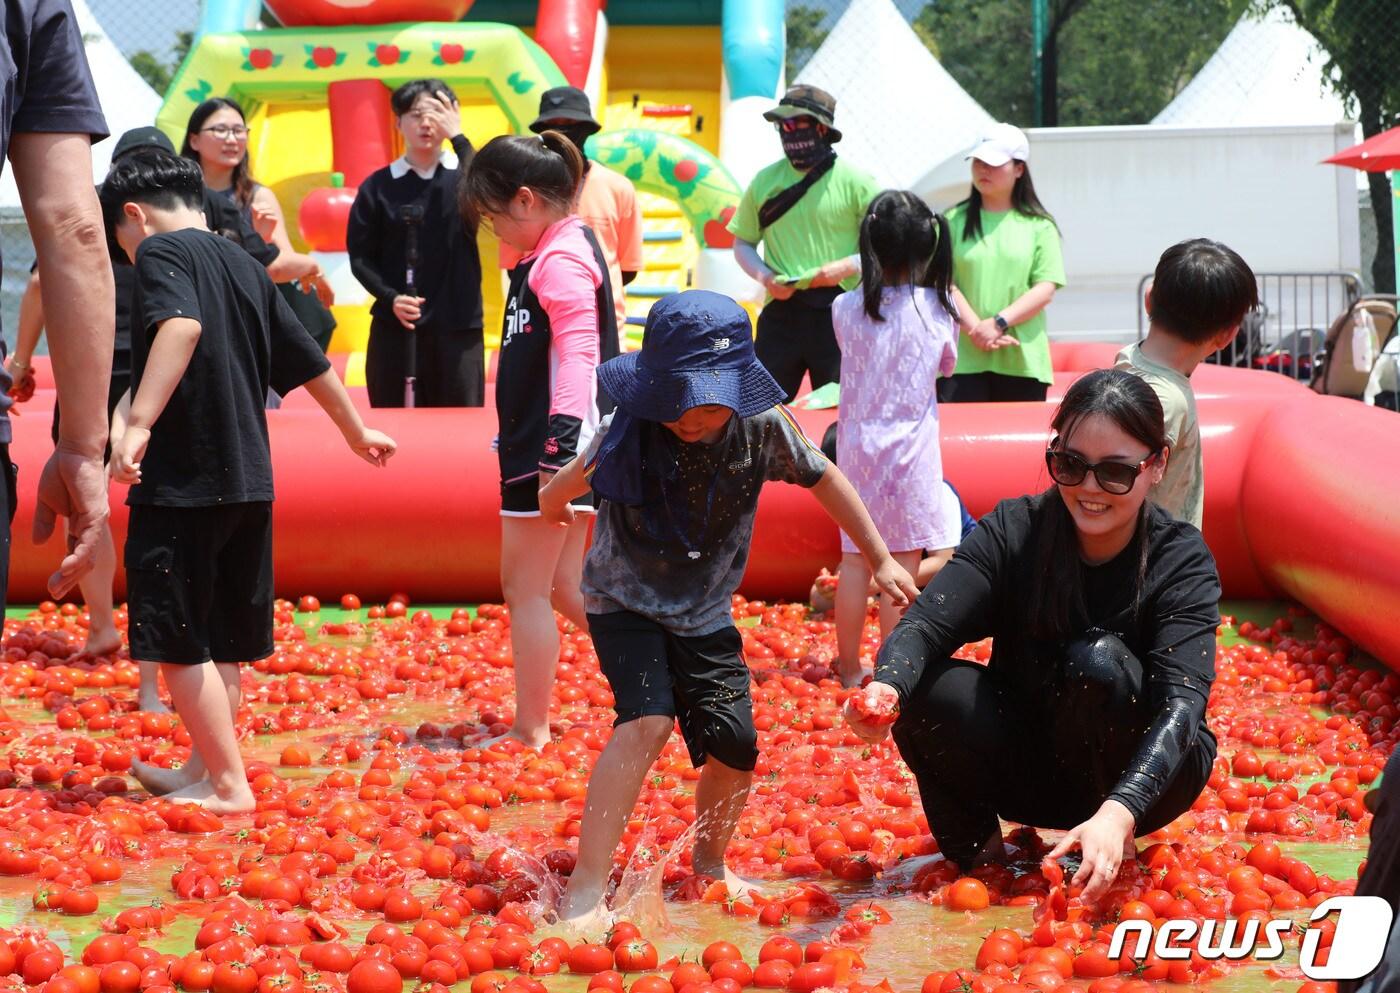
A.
x: 54, y: 174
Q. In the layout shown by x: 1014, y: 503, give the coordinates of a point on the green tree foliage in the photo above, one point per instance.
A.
x: 805, y: 35
x: 1361, y: 38
x: 1107, y: 61
x: 158, y: 73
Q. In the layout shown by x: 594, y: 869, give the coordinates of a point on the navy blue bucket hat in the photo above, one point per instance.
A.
x: 697, y: 349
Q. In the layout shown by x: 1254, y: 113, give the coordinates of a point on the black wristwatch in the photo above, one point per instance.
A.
x: 1000, y: 323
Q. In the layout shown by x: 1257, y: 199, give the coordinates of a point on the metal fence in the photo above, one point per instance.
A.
x: 1288, y: 331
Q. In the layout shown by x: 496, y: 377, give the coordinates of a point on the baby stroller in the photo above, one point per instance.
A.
x: 1355, y: 343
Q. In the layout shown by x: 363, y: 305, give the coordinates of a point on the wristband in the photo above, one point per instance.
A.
x: 1001, y: 323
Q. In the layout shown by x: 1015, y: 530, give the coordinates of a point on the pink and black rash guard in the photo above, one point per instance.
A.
x: 559, y: 324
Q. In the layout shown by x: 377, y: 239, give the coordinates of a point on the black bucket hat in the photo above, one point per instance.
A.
x: 564, y: 103
x: 807, y: 101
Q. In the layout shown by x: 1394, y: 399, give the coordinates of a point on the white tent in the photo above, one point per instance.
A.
x: 899, y: 111
x: 1268, y: 70
x: 127, y: 100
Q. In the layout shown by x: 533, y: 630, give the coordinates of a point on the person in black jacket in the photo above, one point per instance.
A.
x: 1090, y: 716
x: 432, y: 329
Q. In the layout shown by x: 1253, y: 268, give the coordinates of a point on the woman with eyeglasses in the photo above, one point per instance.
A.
x: 217, y: 139
x: 1090, y: 715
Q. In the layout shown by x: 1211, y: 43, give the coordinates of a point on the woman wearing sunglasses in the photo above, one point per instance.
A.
x: 1090, y: 716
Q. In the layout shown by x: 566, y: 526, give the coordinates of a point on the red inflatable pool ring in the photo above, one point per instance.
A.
x: 1302, y: 500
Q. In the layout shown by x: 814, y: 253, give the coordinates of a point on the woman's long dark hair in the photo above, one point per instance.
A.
x: 1133, y: 407
x: 242, y: 178
x: 1023, y: 200
x: 903, y: 242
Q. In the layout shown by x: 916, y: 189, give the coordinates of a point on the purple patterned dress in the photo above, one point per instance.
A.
x: 887, y: 433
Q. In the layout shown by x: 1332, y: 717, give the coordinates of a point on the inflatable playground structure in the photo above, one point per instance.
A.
x: 677, y: 102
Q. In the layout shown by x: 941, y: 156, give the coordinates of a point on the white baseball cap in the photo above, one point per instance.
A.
x: 1000, y: 144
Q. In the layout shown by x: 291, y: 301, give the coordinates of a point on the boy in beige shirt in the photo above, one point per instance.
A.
x: 1199, y: 296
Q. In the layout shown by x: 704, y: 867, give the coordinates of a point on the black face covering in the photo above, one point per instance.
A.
x: 804, y: 146
x: 577, y: 133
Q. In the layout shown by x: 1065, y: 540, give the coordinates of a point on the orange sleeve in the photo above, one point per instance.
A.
x: 629, y: 229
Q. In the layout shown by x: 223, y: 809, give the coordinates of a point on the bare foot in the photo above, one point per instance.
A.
x: 159, y: 781
x: 103, y: 642
x: 151, y: 705
x: 527, y: 742
x: 738, y: 886
x: 853, y: 678
x: 203, y: 794
x: 584, y: 912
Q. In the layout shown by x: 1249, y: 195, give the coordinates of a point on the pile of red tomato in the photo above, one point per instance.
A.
x: 390, y: 851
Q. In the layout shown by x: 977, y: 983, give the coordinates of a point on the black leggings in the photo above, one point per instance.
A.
x: 990, y: 387
x: 982, y: 748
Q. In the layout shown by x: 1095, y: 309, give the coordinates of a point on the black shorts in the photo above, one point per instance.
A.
x: 701, y: 681
x: 199, y: 583
x: 521, y: 498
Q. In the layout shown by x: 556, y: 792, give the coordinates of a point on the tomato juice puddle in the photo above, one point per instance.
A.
x: 377, y: 811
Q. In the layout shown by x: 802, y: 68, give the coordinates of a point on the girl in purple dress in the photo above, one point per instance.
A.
x: 898, y: 332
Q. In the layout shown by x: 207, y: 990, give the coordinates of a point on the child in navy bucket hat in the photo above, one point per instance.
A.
x: 699, y: 428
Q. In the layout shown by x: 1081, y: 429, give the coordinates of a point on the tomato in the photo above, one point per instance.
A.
x: 967, y: 894
x: 233, y: 977
x: 773, y: 974
x: 372, y: 976
x: 650, y: 984
x: 884, y: 711
x: 783, y: 948
x: 811, y: 976
x: 634, y: 956
x: 590, y: 958
x: 79, y: 902
x: 84, y: 977
x: 609, y: 980
x: 718, y: 951
x: 41, y: 964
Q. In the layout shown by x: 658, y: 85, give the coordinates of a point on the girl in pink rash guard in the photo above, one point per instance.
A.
x: 559, y: 324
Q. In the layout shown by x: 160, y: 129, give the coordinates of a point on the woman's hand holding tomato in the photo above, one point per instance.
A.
x: 872, y: 710
x: 1102, y: 839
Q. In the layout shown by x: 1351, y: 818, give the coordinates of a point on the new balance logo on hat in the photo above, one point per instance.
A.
x: 720, y: 344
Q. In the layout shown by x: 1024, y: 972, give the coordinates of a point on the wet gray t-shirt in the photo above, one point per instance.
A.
x: 678, y: 558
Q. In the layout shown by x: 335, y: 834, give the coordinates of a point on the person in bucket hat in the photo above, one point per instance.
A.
x: 697, y: 432
x: 607, y: 201
x: 806, y: 211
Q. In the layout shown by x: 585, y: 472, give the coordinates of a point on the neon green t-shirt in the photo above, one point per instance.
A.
x: 821, y: 227
x: 1015, y: 252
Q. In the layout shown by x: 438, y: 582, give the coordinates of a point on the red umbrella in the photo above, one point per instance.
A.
x: 1378, y: 154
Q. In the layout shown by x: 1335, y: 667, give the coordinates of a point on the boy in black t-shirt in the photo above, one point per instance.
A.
x: 209, y: 335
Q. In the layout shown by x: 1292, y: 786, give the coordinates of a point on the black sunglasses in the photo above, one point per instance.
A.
x: 1069, y: 469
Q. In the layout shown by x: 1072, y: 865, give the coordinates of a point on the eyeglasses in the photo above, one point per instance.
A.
x: 224, y: 132
x: 1069, y: 469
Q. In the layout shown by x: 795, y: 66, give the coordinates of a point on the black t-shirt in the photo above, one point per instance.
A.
x: 47, y: 89
x: 988, y: 589
x: 448, y: 274
x: 209, y: 446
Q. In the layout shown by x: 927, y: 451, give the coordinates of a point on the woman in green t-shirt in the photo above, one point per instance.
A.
x: 1007, y: 266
